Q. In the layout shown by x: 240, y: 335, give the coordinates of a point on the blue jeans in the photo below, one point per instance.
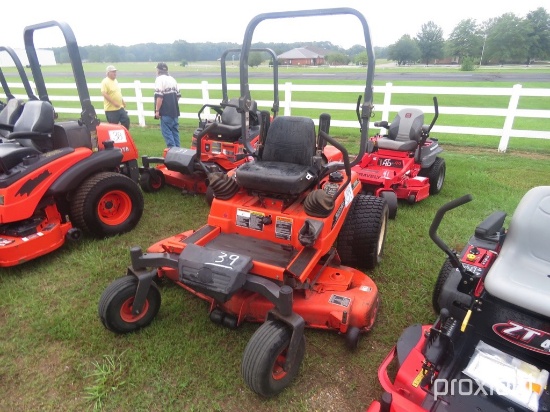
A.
x: 169, y: 127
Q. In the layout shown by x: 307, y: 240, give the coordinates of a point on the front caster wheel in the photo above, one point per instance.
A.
x: 352, y: 337
x: 264, y: 358
x: 116, y: 304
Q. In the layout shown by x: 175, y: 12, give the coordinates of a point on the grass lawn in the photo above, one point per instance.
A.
x: 56, y: 355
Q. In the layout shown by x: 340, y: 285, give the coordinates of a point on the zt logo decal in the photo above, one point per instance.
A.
x: 31, y: 184
x: 524, y: 336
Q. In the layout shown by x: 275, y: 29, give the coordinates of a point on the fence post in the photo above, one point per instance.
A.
x: 509, y: 121
x: 139, y: 103
x: 386, y: 105
x: 288, y: 99
x: 205, y: 97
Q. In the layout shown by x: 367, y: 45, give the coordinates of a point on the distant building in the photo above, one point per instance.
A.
x: 46, y: 57
x: 303, y: 56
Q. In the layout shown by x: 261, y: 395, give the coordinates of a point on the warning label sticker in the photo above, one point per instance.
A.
x: 4, y: 242
x: 340, y: 300
x: 283, y: 228
x: 250, y: 219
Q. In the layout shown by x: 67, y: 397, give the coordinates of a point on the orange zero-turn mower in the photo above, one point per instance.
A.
x: 283, y: 239
x: 222, y: 148
x: 53, y: 184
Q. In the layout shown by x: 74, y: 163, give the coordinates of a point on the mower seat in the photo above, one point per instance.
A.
x: 9, y: 115
x: 230, y: 127
x: 285, y: 166
x: 405, y: 131
x: 34, y: 127
x: 521, y: 272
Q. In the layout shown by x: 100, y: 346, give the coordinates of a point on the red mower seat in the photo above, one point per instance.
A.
x: 521, y: 272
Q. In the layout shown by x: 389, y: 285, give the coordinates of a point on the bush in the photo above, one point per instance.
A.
x: 467, y: 64
x: 184, y: 63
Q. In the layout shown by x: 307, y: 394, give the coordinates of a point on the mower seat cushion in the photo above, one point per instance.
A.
x: 520, y: 274
x: 11, y: 154
x: 385, y: 143
x: 274, y: 177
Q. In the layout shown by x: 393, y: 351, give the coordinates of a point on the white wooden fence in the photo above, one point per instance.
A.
x: 142, y: 93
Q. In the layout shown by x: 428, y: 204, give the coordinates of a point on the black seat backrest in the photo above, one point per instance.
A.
x: 407, y: 125
x: 9, y: 114
x: 285, y: 166
x: 290, y: 139
x: 36, y: 122
x: 230, y: 116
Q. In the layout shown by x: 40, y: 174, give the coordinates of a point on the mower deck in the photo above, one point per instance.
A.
x: 24, y: 241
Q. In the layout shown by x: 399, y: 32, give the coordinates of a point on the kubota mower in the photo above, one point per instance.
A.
x: 405, y: 163
x: 281, y: 245
x: 220, y: 150
x: 53, y: 184
x: 489, y: 349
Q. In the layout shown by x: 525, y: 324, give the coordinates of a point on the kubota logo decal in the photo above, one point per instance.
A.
x: 524, y: 336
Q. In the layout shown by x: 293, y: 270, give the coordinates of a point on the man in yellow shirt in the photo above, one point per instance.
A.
x: 113, y: 102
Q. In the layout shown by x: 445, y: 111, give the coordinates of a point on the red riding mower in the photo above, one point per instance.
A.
x: 403, y: 164
x: 489, y: 349
x: 12, y: 108
x: 220, y: 150
x: 53, y: 185
x: 281, y: 237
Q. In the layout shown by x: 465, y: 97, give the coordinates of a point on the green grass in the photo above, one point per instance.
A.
x: 57, y: 356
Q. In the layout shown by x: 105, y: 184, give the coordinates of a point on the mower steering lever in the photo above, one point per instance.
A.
x: 435, y: 225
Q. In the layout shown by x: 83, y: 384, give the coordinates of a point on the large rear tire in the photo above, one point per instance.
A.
x: 391, y: 198
x: 107, y: 204
x: 361, y: 239
x: 436, y: 175
x: 116, y: 304
x: 264, y: 357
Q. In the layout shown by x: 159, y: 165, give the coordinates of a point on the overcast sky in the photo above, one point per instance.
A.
x: 125, y: 23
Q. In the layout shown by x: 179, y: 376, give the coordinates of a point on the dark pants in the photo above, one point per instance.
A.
x: 118, y: 116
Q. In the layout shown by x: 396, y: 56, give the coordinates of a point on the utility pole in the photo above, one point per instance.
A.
x: 483, y: 49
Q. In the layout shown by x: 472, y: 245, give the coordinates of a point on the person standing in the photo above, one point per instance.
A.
x: 167, y: 108
x: 113, y: 103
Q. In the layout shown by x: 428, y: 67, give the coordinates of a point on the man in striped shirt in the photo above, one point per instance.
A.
x: 167, y: 109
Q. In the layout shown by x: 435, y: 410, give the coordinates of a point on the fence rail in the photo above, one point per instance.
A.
x: 287, y: 104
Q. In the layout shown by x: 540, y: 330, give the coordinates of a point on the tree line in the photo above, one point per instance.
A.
x: 504, y: 39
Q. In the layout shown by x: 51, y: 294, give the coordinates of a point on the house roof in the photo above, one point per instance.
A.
x: 300, y: 53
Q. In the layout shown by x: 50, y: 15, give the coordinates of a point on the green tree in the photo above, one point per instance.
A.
x: 361, y: 59
x: 337, y: 59
x: 430, y: 41
x: 539, y: 34
x: 255, y: 59
x: 405, y: 50
x: 507, y: 40
x: 465, y: 40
